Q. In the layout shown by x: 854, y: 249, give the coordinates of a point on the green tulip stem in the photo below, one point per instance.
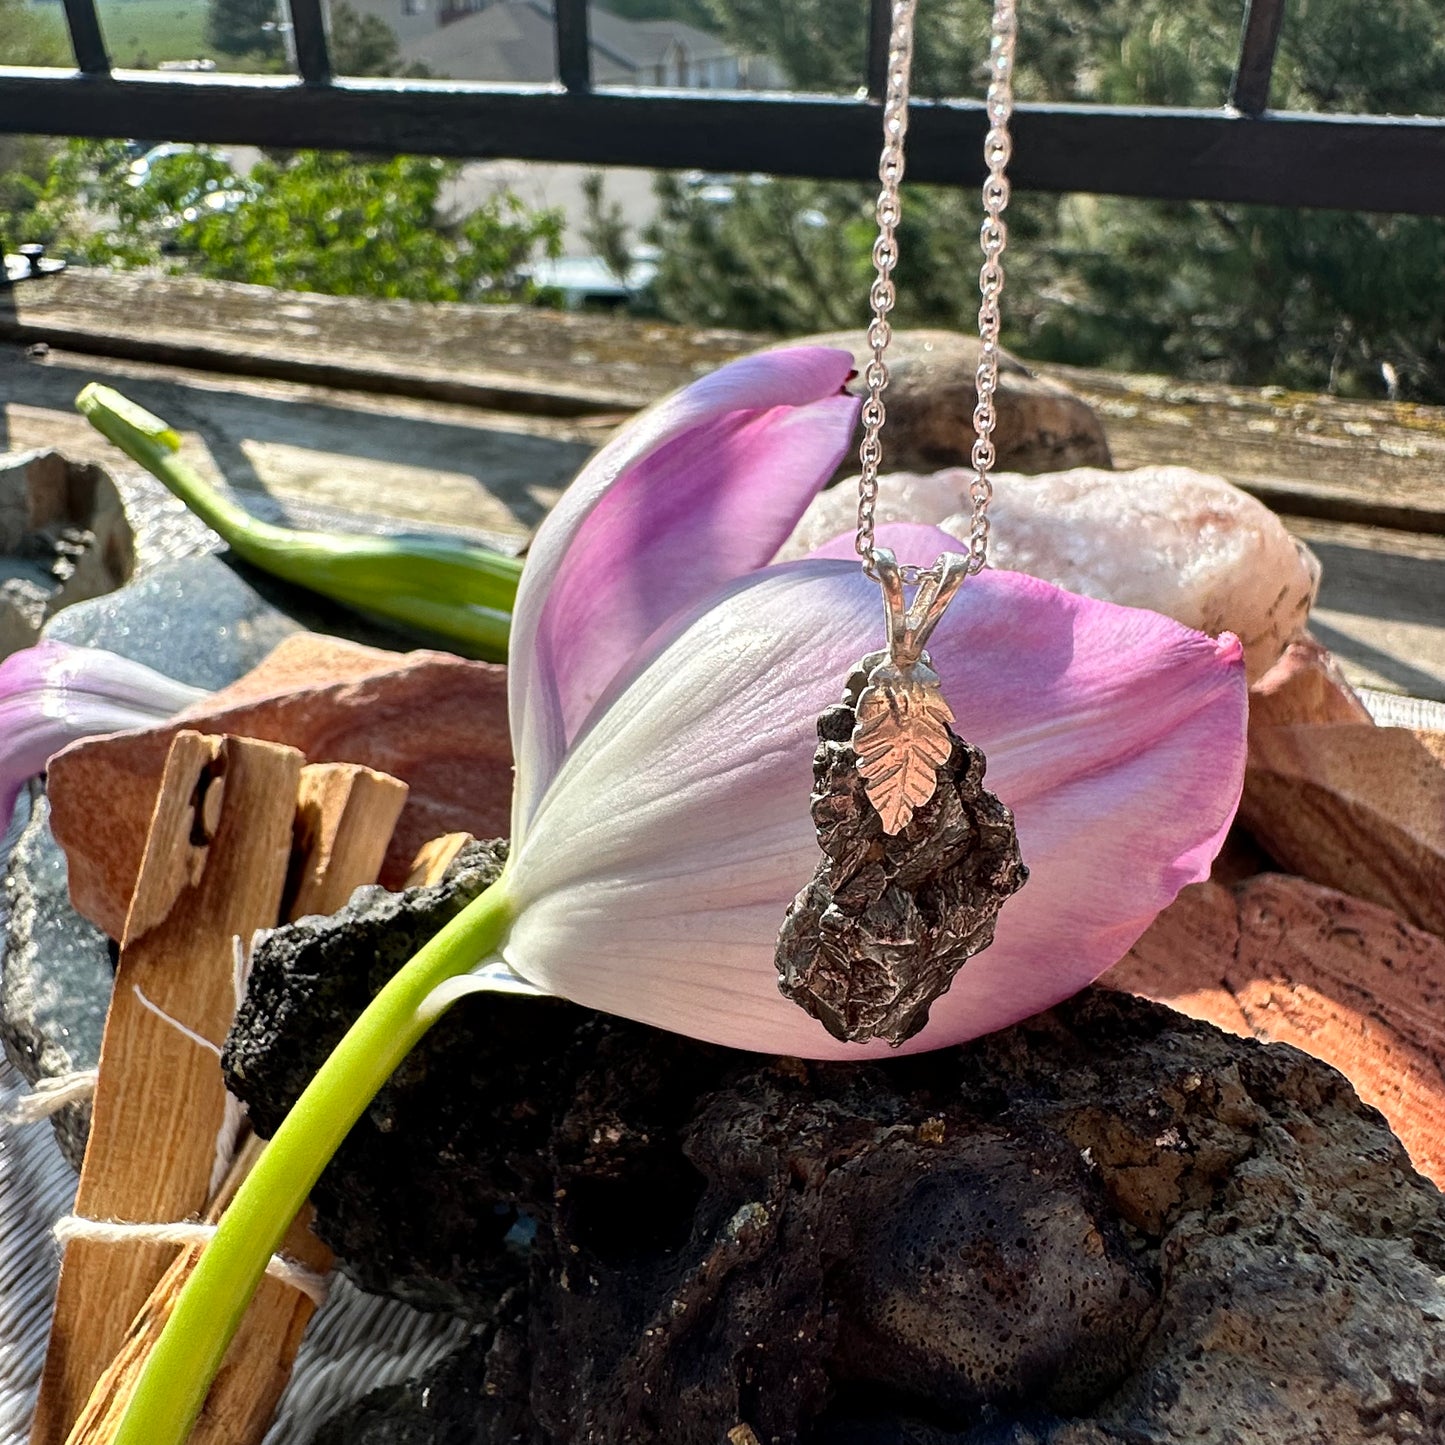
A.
x: 177, y: 1375
x: 462, y: 593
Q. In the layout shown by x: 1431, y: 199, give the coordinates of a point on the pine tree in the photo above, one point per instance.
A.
x: 245, y: 27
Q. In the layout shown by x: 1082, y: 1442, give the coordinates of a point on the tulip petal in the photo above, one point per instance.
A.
x: 661, y: 860
x: 697, y: 491
x: 53, y: 694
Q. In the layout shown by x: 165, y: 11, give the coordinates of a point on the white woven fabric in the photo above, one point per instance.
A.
x: 1391, y: 710
x: 357, y: 1344
x: 36, y: 1188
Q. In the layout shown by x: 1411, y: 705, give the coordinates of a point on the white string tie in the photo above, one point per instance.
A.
x: 185, y: 1232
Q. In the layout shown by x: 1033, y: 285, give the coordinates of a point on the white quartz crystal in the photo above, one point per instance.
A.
x: 1174, y: 540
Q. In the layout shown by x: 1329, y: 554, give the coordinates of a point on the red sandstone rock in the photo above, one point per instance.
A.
x: 1340, y: 801
x: 1304, y: 686
x: 1286, y: 961
x: 436, y: 721
x: 1355, y: 807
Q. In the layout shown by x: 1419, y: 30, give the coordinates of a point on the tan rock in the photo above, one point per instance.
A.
x: 437, y: 722
x: 1280, y: 959
x: 1355, y: 807
x: 1173, y: 540
x: 1042, y: 426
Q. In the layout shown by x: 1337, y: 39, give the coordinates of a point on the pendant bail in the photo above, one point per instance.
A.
x: 910, y: 626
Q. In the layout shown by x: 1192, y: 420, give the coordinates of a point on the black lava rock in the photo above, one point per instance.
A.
x: 1108, y: 1224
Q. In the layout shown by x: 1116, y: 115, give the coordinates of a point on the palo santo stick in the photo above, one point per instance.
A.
x: 345, y: 815
x: 434, y: 858
x: 214, y: 867
x: 103, y: 1410
x: 344, y: 818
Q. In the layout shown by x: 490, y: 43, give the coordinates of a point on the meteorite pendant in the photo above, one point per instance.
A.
x: 918, y: 855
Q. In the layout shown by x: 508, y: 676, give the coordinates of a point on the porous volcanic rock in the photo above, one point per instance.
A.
x: 1108, y: 1224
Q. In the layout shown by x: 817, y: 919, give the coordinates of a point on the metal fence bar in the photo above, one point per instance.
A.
x: 86, y: 39
x: 1371, y: 163
x: 313, y: 51
x: 574, y: 46
x: 880, y: 30
x: 1257, y: 46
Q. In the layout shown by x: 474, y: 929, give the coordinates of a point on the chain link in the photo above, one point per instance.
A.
x: 885, y: 256
x: 993, y: 237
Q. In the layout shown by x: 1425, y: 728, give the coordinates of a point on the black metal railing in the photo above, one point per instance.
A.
x: 1243, y: 152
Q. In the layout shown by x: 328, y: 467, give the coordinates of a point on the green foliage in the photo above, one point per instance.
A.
x: 27, y: 37
x: 313, y: 221
x: 1349, y: 302
x: 23, y: 163
x: 778, y: 256
x: 605, y: 231
x: 90, y: 211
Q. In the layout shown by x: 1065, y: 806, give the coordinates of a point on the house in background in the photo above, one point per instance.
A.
x: 512, y: 41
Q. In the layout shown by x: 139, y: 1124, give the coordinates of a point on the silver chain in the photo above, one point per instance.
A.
x: 993, y: 237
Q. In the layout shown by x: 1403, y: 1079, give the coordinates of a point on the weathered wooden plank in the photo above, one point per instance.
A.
x: 1381, y: 608
x: 327, y: 454
x: 329, y: 458
x: 1377, y: 463
x: 517, y: 358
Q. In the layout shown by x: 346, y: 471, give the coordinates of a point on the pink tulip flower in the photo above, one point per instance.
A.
x: 53, y: 694
x: 665, y: 683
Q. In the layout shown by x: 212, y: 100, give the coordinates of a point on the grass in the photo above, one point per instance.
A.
x: 142, y: 33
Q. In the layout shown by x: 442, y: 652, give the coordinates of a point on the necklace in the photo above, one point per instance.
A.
x: 918, y: 855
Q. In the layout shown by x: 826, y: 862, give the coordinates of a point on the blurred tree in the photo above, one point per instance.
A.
x: 246, y: 28
x: 605, y: 229
x: 312, y: 221
x: 31, y: 37
x: 367, y: 45
x: 1350, y: 302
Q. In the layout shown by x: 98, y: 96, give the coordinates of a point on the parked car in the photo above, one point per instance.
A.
x: 588, y: 283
